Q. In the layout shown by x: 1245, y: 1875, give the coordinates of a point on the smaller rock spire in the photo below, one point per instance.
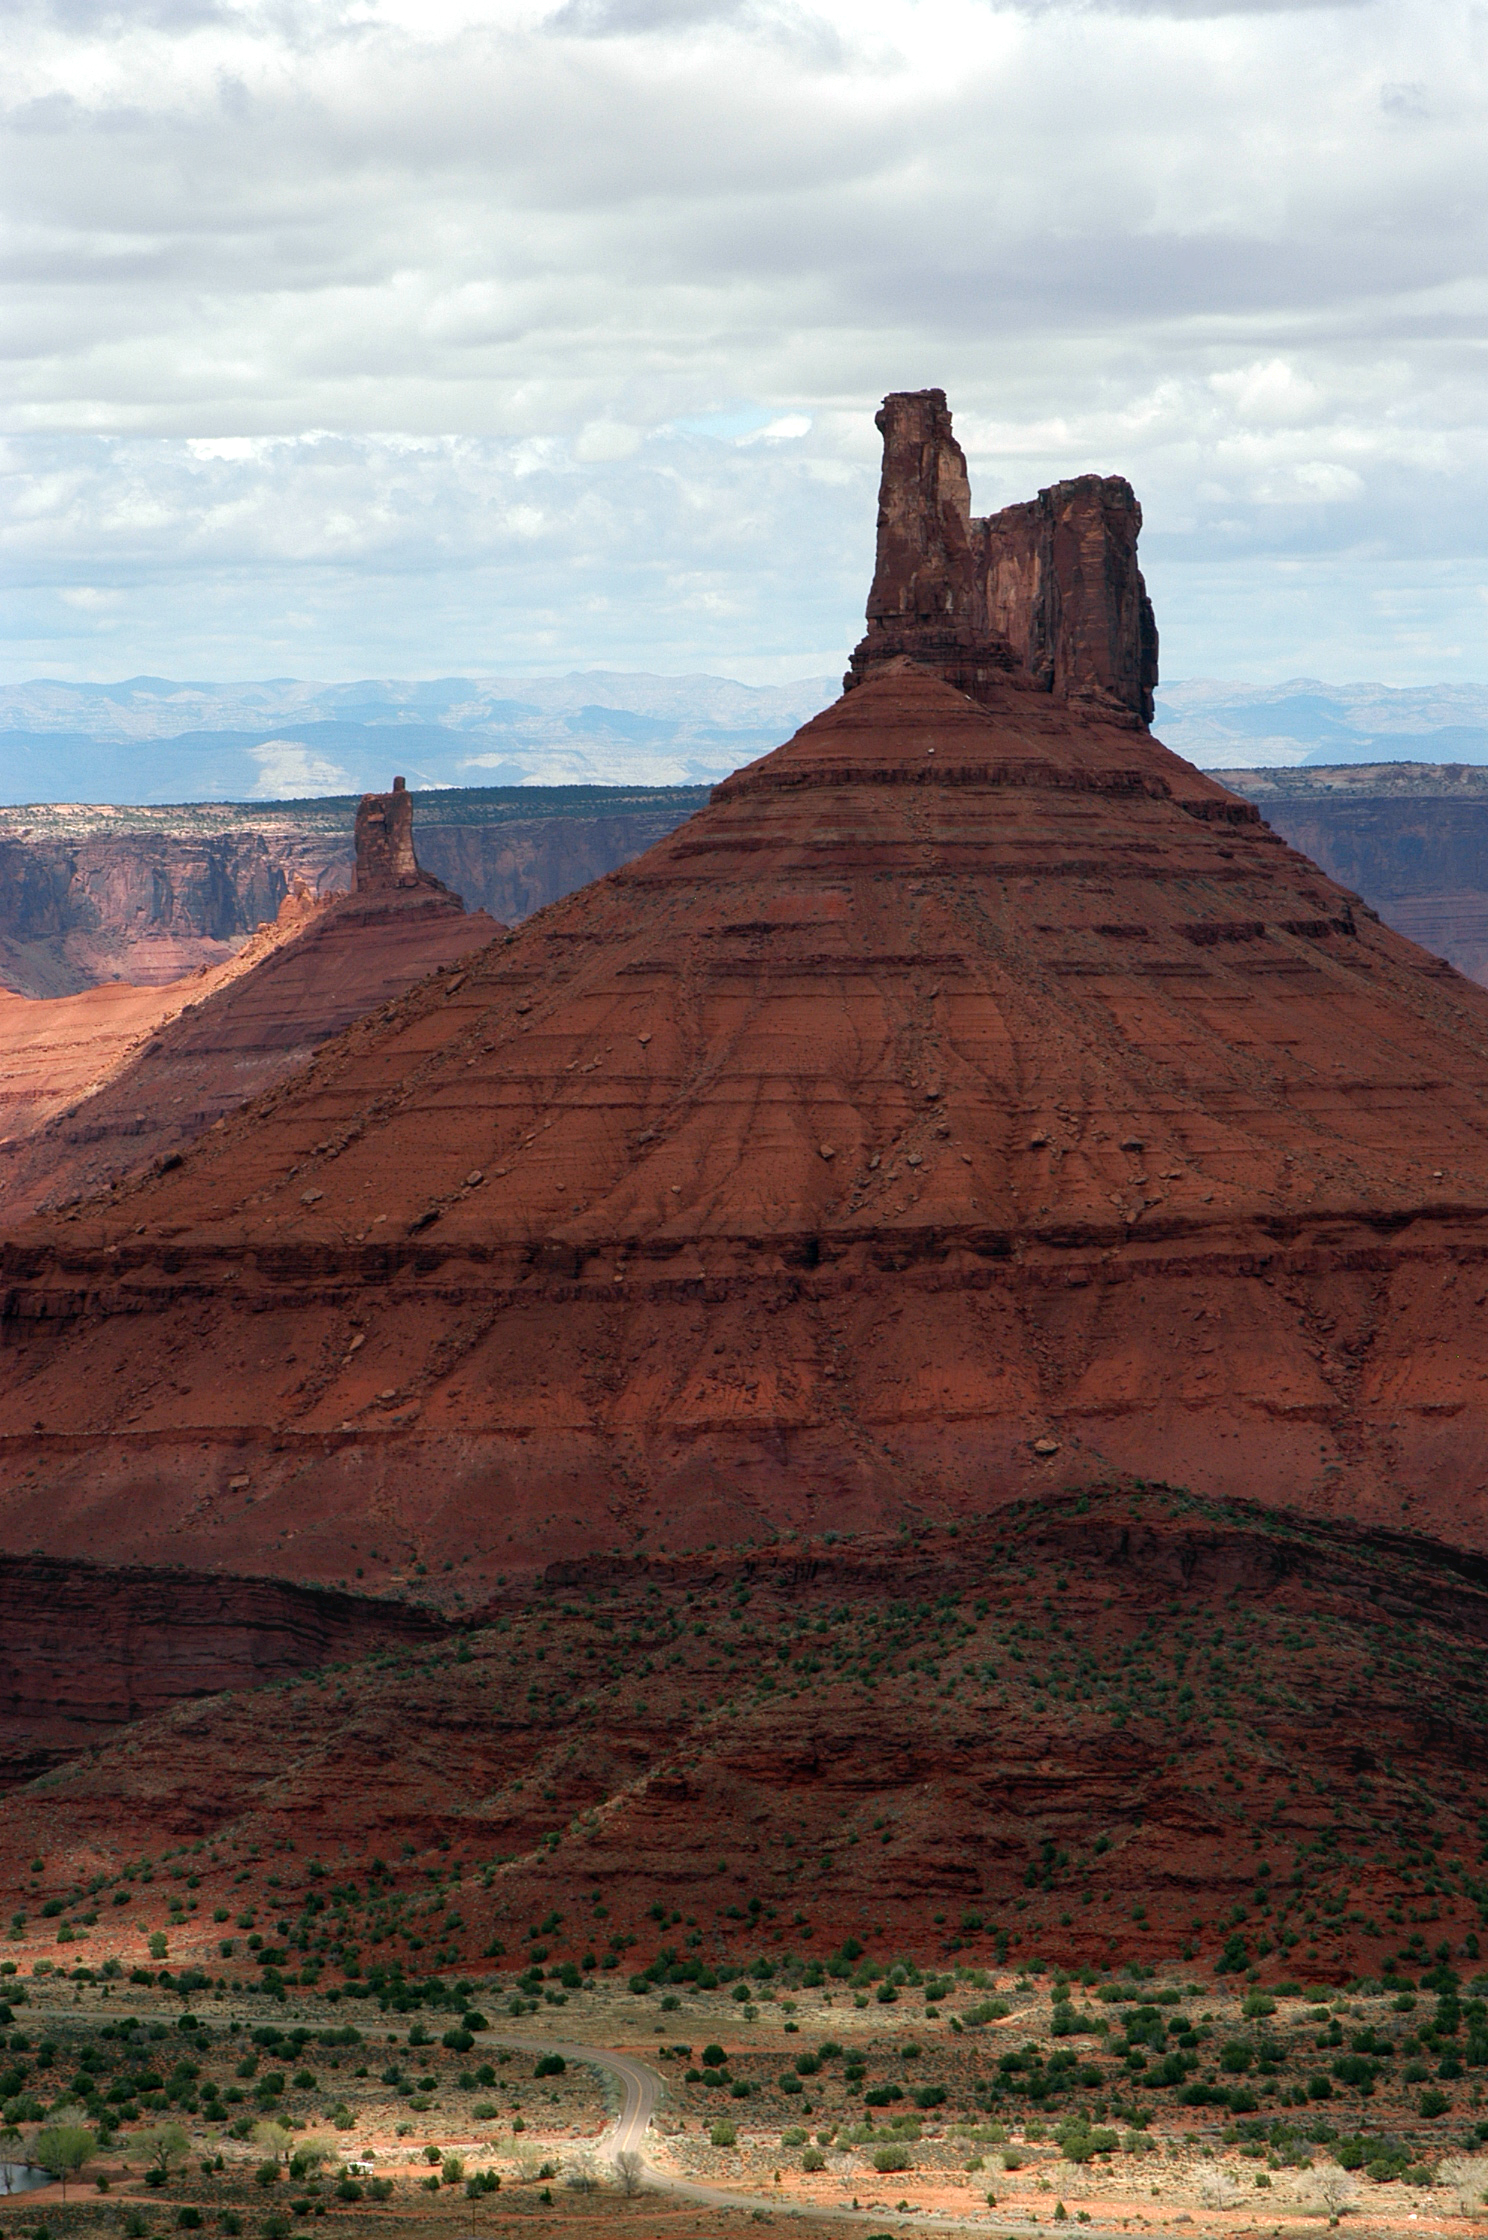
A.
x: 384, y: 842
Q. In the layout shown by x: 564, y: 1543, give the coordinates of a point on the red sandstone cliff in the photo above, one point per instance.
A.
x: 1049, y: 589
x: 971, y: 1111
x: 147, y: 910
x: 84, y: 900
x: 84, y: 1650
x: 97, y: 1086
x: 974, y: 1097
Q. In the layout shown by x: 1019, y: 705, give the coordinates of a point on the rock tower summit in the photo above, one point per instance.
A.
x: 1048, y: 591
x: 385, y: 858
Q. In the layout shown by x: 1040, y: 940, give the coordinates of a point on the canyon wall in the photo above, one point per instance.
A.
x: 138, y: 907
x: 99, y: 1085
x: 84, y: 1649
x: 516, y: 866
x: 1410, y: 837
x: 90, y: 896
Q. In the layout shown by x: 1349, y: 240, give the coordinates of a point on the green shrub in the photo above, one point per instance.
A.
x: 723, y: 2133
x: 1079, y: 2141
x: 893, y: 2158
x: 813, y: 2159
x: 267, y: 2174
x: 550, y: 2065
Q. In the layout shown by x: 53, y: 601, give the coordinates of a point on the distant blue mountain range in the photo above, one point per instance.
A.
x: 1235, y: 726
x: 156, y: 739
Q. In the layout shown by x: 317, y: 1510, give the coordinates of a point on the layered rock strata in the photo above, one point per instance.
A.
x: 87, y: 898
x: 85, y: 1651
x: 1077, y: 1732
x: 1412, y: 837
x: 101, y: 1085
x: 1049, y: 589
x: 973, y: 1098
x: 142, y: 909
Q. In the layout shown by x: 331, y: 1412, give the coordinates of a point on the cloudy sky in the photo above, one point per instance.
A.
x: 417, y: 337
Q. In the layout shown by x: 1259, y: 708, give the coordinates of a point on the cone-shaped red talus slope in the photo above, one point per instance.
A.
x: 261, y: 1018
x: 971, y: 1098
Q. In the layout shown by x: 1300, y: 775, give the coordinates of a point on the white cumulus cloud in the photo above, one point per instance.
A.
x: 437, y: 333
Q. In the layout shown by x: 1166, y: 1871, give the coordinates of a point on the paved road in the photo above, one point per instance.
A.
x: 642, y: 2084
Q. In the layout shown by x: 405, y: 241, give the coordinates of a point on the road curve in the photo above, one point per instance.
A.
x: 642, y: 2086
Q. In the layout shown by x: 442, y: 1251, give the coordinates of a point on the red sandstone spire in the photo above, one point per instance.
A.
x: 972, y: 1082
x: 385, y: 858
x: 1048, y: 590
